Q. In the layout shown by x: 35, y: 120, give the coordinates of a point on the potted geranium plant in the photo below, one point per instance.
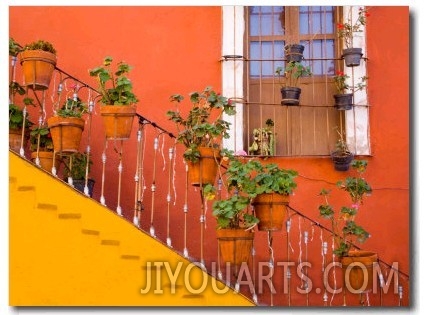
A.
x: 270, y: 189
x: 41, y: 145
x: 67, y: 125
x: 290, y: 90
x: 201, y: 131
x: 118, y: 99
x: 346, y: 31
x: 38, y: 60
x: 341, y: 156
x: 346, y: 232
x: 235, y: 221
x: 267, y: 186
x: 344, y: 100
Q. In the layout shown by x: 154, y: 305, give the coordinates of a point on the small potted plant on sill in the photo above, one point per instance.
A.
x: 201, y: 131
x: 294, y: 52
x: 38, y: 60
x: 67, y: 125
x: 77, y: 168
x: 343, y: 100
x: 346, y: 31
x: 346, y: 232
x: 341, y: 156
x: 118, y: 99
x: 263, y: 140
x: 41, y: 145
x: 290, y: 90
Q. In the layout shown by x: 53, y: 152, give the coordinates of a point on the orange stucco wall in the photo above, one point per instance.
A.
x: 177, y: 50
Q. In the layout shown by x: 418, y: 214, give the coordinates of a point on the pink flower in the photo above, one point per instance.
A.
x: 240, y: 153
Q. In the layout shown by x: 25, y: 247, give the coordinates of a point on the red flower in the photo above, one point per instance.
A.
x: 229, y: 102
x: 339, y: 73
x: 340, y: 26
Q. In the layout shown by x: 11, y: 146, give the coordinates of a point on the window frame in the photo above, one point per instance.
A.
x: 233, y: 38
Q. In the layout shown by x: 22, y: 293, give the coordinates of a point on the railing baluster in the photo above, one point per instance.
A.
x: 168, y: 197
x: 288, y: 274
x: 153, y: 186
x: 137, y: 177
x: 88, y: 150
x: 400, y: 292
x: 306, y: 269
x: 185, y: 209
x: 102, y: 196
x: 324, y: 265
x: 120, y: 169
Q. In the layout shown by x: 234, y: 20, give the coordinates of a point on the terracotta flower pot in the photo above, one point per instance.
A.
x: 235, y: 245
x: 46, y: 160
x: 358, y: 270
x: 270, y: 209
x: 117, y: 120
x: 204, y: 171
x: 15, y: 139
x: 66, y: 133
x: 37, y: 67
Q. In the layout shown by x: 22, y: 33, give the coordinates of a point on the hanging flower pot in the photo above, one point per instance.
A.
x: 358, y: 270
x: 66, y: 133
x: 343, y: 101
x: 235, y: 245
x: 290, y: 95
x: 45, y: 159
x: 270, y: 209
x: 37, y: 67
x: 117, y: 120
x: 204, y: 171
x: 294, y: 52
x: 352, y: 56
x: 342, y: 161
x: 119, y: 101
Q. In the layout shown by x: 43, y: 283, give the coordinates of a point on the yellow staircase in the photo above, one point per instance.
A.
x: 66, y: 249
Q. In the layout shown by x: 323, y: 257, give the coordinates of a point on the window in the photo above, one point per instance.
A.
x: 253, y: 47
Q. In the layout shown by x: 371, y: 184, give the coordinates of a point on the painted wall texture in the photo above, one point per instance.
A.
x: 178, y: 50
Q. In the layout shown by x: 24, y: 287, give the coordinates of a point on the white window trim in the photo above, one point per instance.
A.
x: 232, y: 71
x: 357, y: 119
